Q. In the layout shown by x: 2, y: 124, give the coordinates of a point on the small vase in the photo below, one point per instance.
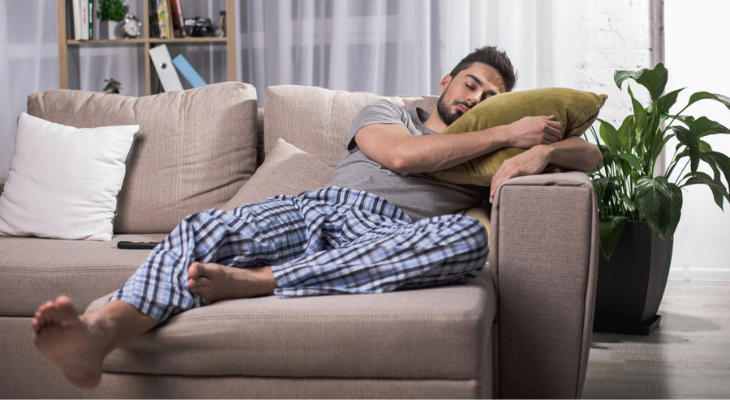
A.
x: 110, y: 30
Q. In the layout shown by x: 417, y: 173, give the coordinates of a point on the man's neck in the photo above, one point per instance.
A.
x: 434, y: 122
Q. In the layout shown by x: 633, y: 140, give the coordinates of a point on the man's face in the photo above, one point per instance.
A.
x: 469, y: 87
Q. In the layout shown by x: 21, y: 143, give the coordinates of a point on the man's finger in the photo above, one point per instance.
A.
x: 555, y: 129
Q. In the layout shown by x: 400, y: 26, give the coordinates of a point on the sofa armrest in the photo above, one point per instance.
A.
x: 544, y: 253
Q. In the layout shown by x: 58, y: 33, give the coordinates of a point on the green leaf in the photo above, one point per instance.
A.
x: 632, y: 160
x: 665, y: 103
x: 722, y: 161
x: 657, y: 149
x: 628, y: 203
x: 640, y: 119
x: 705, y: 95
x: 608, y: 156
x: 675, y: 209
x: 718, y: 189
x: 610, y: 230
x: 654, y: 80
x: 627, y: 134
x: 609, y: 135
x: 653, y: 198
x: 719, y: 192
x: 687, y: 138
x: 599, y: 186
x: 704, y: 126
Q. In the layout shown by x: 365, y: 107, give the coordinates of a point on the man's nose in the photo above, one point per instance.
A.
x: 473, y: 99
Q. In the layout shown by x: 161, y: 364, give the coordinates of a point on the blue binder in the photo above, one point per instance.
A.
x: 188, y: 72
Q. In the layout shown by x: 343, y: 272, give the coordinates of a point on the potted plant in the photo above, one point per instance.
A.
x: 112, y: 86
x: 111, y: 11
x: 640, y: 206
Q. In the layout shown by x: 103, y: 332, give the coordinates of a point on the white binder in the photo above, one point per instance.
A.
x: 165, y: 70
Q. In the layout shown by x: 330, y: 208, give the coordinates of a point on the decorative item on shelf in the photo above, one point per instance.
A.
x: 131, y: 27
x: 199, y: 27
x: 111, y: 13
x: 221, y: 31
x: 640, y: 206
x: 112, y: 86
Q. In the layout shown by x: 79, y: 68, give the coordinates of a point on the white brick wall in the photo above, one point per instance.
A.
x: 612, y: 35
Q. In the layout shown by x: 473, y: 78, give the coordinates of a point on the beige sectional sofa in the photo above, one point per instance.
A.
x: 522, y: 329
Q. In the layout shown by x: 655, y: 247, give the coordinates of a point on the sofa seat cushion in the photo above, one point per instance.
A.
x: 34, y: 270
x: 436, y: 333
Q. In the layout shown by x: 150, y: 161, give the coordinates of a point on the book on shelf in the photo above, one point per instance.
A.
x: 90, y: 18
x: 178, y: 20
x: 76, y: 19
x: 82, y: 15
x: 188, y: 72
x: 84, y: 19
x: 154, y: 24
x: 164, y: 19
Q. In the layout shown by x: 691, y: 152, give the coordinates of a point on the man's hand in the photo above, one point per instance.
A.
x: 531, y: 162
x: 534, y: 131
x: 573, y: 153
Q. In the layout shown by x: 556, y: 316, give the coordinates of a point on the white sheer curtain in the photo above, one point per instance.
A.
x: 28, y: 63
x: 387, y: 47
x: 400, y: 46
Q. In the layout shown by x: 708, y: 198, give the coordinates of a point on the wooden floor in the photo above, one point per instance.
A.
x: 688, y: 356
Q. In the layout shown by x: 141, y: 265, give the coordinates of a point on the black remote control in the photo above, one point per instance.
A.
x: 125, y: 245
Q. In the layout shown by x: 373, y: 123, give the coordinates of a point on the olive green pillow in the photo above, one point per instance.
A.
x: 576, y: 110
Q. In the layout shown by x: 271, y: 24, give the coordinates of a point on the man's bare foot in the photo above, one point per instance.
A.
x: 216, y: 282
x: 63, y: 337
x: 79, y: 343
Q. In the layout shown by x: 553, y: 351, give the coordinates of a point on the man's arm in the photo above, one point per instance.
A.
x: 393, y: 146
x: 573, y: 153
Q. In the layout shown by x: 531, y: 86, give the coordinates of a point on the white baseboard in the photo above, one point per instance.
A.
x: 700, y: 274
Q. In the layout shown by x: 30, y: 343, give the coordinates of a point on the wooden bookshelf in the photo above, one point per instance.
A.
x: 68, y: 49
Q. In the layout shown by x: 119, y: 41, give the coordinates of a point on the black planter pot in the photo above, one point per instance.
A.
x: 631, y: 285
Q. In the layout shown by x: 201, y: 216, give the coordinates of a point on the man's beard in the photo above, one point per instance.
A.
x: 446, y: 115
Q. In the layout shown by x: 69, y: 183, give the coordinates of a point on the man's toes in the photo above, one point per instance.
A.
x: 65, y: 310
x: 194, y: 270
x: 45, y: 309
x: 45, y: 313
x: 35, y: 324
x: 197, y: 284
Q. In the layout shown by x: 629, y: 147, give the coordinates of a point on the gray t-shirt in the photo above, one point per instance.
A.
x: 419, y: 195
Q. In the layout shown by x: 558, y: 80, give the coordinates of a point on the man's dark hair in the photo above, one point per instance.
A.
x: 497, y: 59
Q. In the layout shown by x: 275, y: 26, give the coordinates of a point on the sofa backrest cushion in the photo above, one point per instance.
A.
x: 287, y: 170
x: 317, y: 120
x: 194, y: 150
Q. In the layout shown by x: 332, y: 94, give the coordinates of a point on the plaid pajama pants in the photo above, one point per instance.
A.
x: 331, y: 241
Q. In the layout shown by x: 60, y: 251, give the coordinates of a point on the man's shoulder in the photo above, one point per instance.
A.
x: 382, y: 111
x: 385, y: 104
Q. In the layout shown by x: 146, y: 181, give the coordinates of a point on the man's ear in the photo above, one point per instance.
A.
x: 445, y: 82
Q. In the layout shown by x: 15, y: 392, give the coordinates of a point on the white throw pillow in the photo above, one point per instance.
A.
x: 64, y: 181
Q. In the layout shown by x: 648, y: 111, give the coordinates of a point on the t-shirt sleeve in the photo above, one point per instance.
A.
x: 382, y: 111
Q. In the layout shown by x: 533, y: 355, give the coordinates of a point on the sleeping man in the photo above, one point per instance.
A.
x: 381, y: 225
